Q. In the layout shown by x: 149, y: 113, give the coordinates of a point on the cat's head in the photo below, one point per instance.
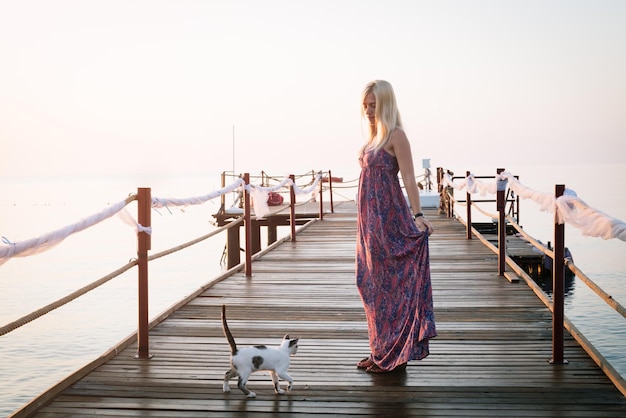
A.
x: 290, y: 344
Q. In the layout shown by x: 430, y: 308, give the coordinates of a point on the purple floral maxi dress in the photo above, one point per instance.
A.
x: 392, y: 266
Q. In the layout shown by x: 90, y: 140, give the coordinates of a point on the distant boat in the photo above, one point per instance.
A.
x: 547, y: 264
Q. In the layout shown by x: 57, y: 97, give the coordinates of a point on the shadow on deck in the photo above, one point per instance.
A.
x: 490, y: 358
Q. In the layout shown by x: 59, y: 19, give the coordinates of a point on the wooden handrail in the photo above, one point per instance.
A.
x: 557, y: 255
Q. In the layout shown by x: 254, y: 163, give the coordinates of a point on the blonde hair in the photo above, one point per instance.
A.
x: 387, y: 113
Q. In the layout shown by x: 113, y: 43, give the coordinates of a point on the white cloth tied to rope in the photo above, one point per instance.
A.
x: 501, y: 182
x: 259, y: 202
x: 165, y: 202
x: 49, y: 240
x: 546, y: 201
x: 260, y: 194
x: 591, y: 222
x: 568, y: 208
x: 311, y: 188
x: 128, y: 219
x: 461, y: 184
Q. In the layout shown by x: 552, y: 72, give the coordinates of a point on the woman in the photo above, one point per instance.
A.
x: 392, y: 259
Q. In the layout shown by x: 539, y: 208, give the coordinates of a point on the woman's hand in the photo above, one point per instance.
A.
x: 424, y: 224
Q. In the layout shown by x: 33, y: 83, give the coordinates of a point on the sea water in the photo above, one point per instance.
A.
x: 46, y: 350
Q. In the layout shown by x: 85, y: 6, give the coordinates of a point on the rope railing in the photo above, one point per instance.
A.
x: 615, y: 305
x: 11, y: 326
x: 197, y: 200
x: 481, y: 210
x: 49, y: 240
x: 92, y: 286
x: 535, y: 243
x: 572, y: 266
x: 266, y: 178
x: 261, y: 193
x: 569, y: 208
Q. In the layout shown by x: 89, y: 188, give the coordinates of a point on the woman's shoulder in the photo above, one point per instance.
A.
x: 397, y: 131
x: 397, y: 135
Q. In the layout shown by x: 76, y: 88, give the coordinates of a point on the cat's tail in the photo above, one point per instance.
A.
x: 227, y: 334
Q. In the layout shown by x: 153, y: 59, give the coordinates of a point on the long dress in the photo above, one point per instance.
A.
x: 392, y: 266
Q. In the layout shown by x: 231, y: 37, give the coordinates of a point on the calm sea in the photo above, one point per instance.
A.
x: 39, y: 354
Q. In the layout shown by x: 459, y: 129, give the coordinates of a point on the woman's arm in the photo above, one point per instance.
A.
x: 400, y: 147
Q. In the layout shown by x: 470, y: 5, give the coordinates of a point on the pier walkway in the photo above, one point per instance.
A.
x: 490, y: 359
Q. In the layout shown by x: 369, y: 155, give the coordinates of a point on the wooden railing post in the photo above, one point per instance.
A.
x: 321, y: 183
x: 445, y: 198
x: 469, y: 210
x: 440, y: 189
x: 233, y: 247
x: 330, y: 189
x: 558, y: 285
x: 247, y: 225
x: 500, y: 204
x: 144, y: 208
x: 292, y: 208
x: 223, y: 197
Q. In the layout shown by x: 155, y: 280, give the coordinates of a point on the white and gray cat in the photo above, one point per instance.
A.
x: 246, y: 361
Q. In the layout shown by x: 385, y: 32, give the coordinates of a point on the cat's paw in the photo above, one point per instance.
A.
x: 226, y: 388
x: 290, y: 386
x: 279, y: 391
x: 251, y: 395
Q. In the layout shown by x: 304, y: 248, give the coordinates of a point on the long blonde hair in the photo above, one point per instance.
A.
x: 387, y: 113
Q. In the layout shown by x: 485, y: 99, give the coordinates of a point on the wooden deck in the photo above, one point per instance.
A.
x: 490, y: 358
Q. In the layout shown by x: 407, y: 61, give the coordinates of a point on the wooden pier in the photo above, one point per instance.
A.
x: 490, y: 359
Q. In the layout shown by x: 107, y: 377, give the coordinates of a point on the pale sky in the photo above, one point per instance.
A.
x: 92, y: 87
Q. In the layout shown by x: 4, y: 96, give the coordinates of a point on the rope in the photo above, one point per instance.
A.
x: 568, y: 208
x: 538, y: 245
x: 478, y: 208
x: 605, y: 296
x: 49, y: 240
x: 570, y: 264
x: 57, y: 304
x: 198, y: 200
x: 196, y: 240
x: 72, y: 296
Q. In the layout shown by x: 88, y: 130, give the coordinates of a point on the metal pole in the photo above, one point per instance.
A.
x: 144, y: 207
x: 558, y: 286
